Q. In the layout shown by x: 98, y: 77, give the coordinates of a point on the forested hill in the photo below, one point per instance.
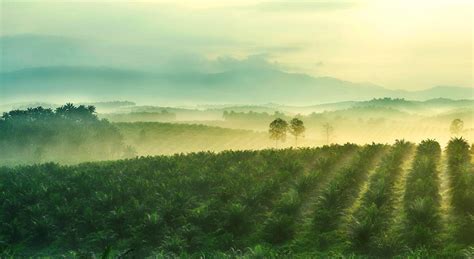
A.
x: 72, y: 134
x: 68, y: 134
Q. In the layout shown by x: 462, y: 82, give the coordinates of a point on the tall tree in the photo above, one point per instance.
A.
x: 278, y: 129
x: 68, y: 134
x: 297, y: 129
x: 456, y: 127
x: 328, y: 130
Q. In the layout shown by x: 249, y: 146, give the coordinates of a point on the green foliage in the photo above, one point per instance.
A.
x: 297, y: 129
x: 371, y: 221
x: 430, y: 148
x: 278, y: 130
x: 182, y: 203
x: 232, y: 204
x: 422, y: 198
x: 279, y: 226
x: 339, y: 194
x: 462, y: 194
x: 68, y: 134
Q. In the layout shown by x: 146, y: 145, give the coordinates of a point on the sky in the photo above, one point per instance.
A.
x: 400, y: 44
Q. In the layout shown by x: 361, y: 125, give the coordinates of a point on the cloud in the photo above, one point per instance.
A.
x: 280, y: 49
x: 35, y: 50
x: 304, y: 6
x: 256, y: 62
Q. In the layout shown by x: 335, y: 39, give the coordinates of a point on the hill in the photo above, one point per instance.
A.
x: 71, y: 134
x: 67, y: 134
x: 154, y: 138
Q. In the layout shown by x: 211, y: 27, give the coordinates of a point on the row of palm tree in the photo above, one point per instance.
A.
x: 340, y: 193
x: 422, y: 198
x: 369, y: 224
x: 461, y: 178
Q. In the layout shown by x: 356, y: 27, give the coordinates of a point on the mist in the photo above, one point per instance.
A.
x: 236, y: 129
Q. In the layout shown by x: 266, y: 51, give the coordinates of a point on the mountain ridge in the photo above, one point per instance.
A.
x: 266, y: 85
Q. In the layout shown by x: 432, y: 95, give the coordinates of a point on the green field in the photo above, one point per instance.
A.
x: 339, y: 200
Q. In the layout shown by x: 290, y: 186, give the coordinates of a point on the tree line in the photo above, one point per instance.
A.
x: 279, y: 128
x: 67, y: 134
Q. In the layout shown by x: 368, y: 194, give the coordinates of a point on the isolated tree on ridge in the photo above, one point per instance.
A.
x: 328, y: 130
x: 297, y: 129
x: 278, y: 129
x: 456, y: 127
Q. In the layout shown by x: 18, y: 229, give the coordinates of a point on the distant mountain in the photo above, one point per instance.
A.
x: 451, y: 92
x: 431, y: 106
x: 465, y: 114
x: 56, y: 69
x: 233, y: 86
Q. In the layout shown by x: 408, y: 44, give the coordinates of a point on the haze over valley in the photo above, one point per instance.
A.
x: 236, y: 129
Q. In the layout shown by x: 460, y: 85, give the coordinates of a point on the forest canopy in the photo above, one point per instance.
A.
x: 67, y: 134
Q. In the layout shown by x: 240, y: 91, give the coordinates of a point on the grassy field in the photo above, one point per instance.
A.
x: 340, y: 200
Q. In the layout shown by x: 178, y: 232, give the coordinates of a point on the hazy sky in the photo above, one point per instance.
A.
x: 398, y: 44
